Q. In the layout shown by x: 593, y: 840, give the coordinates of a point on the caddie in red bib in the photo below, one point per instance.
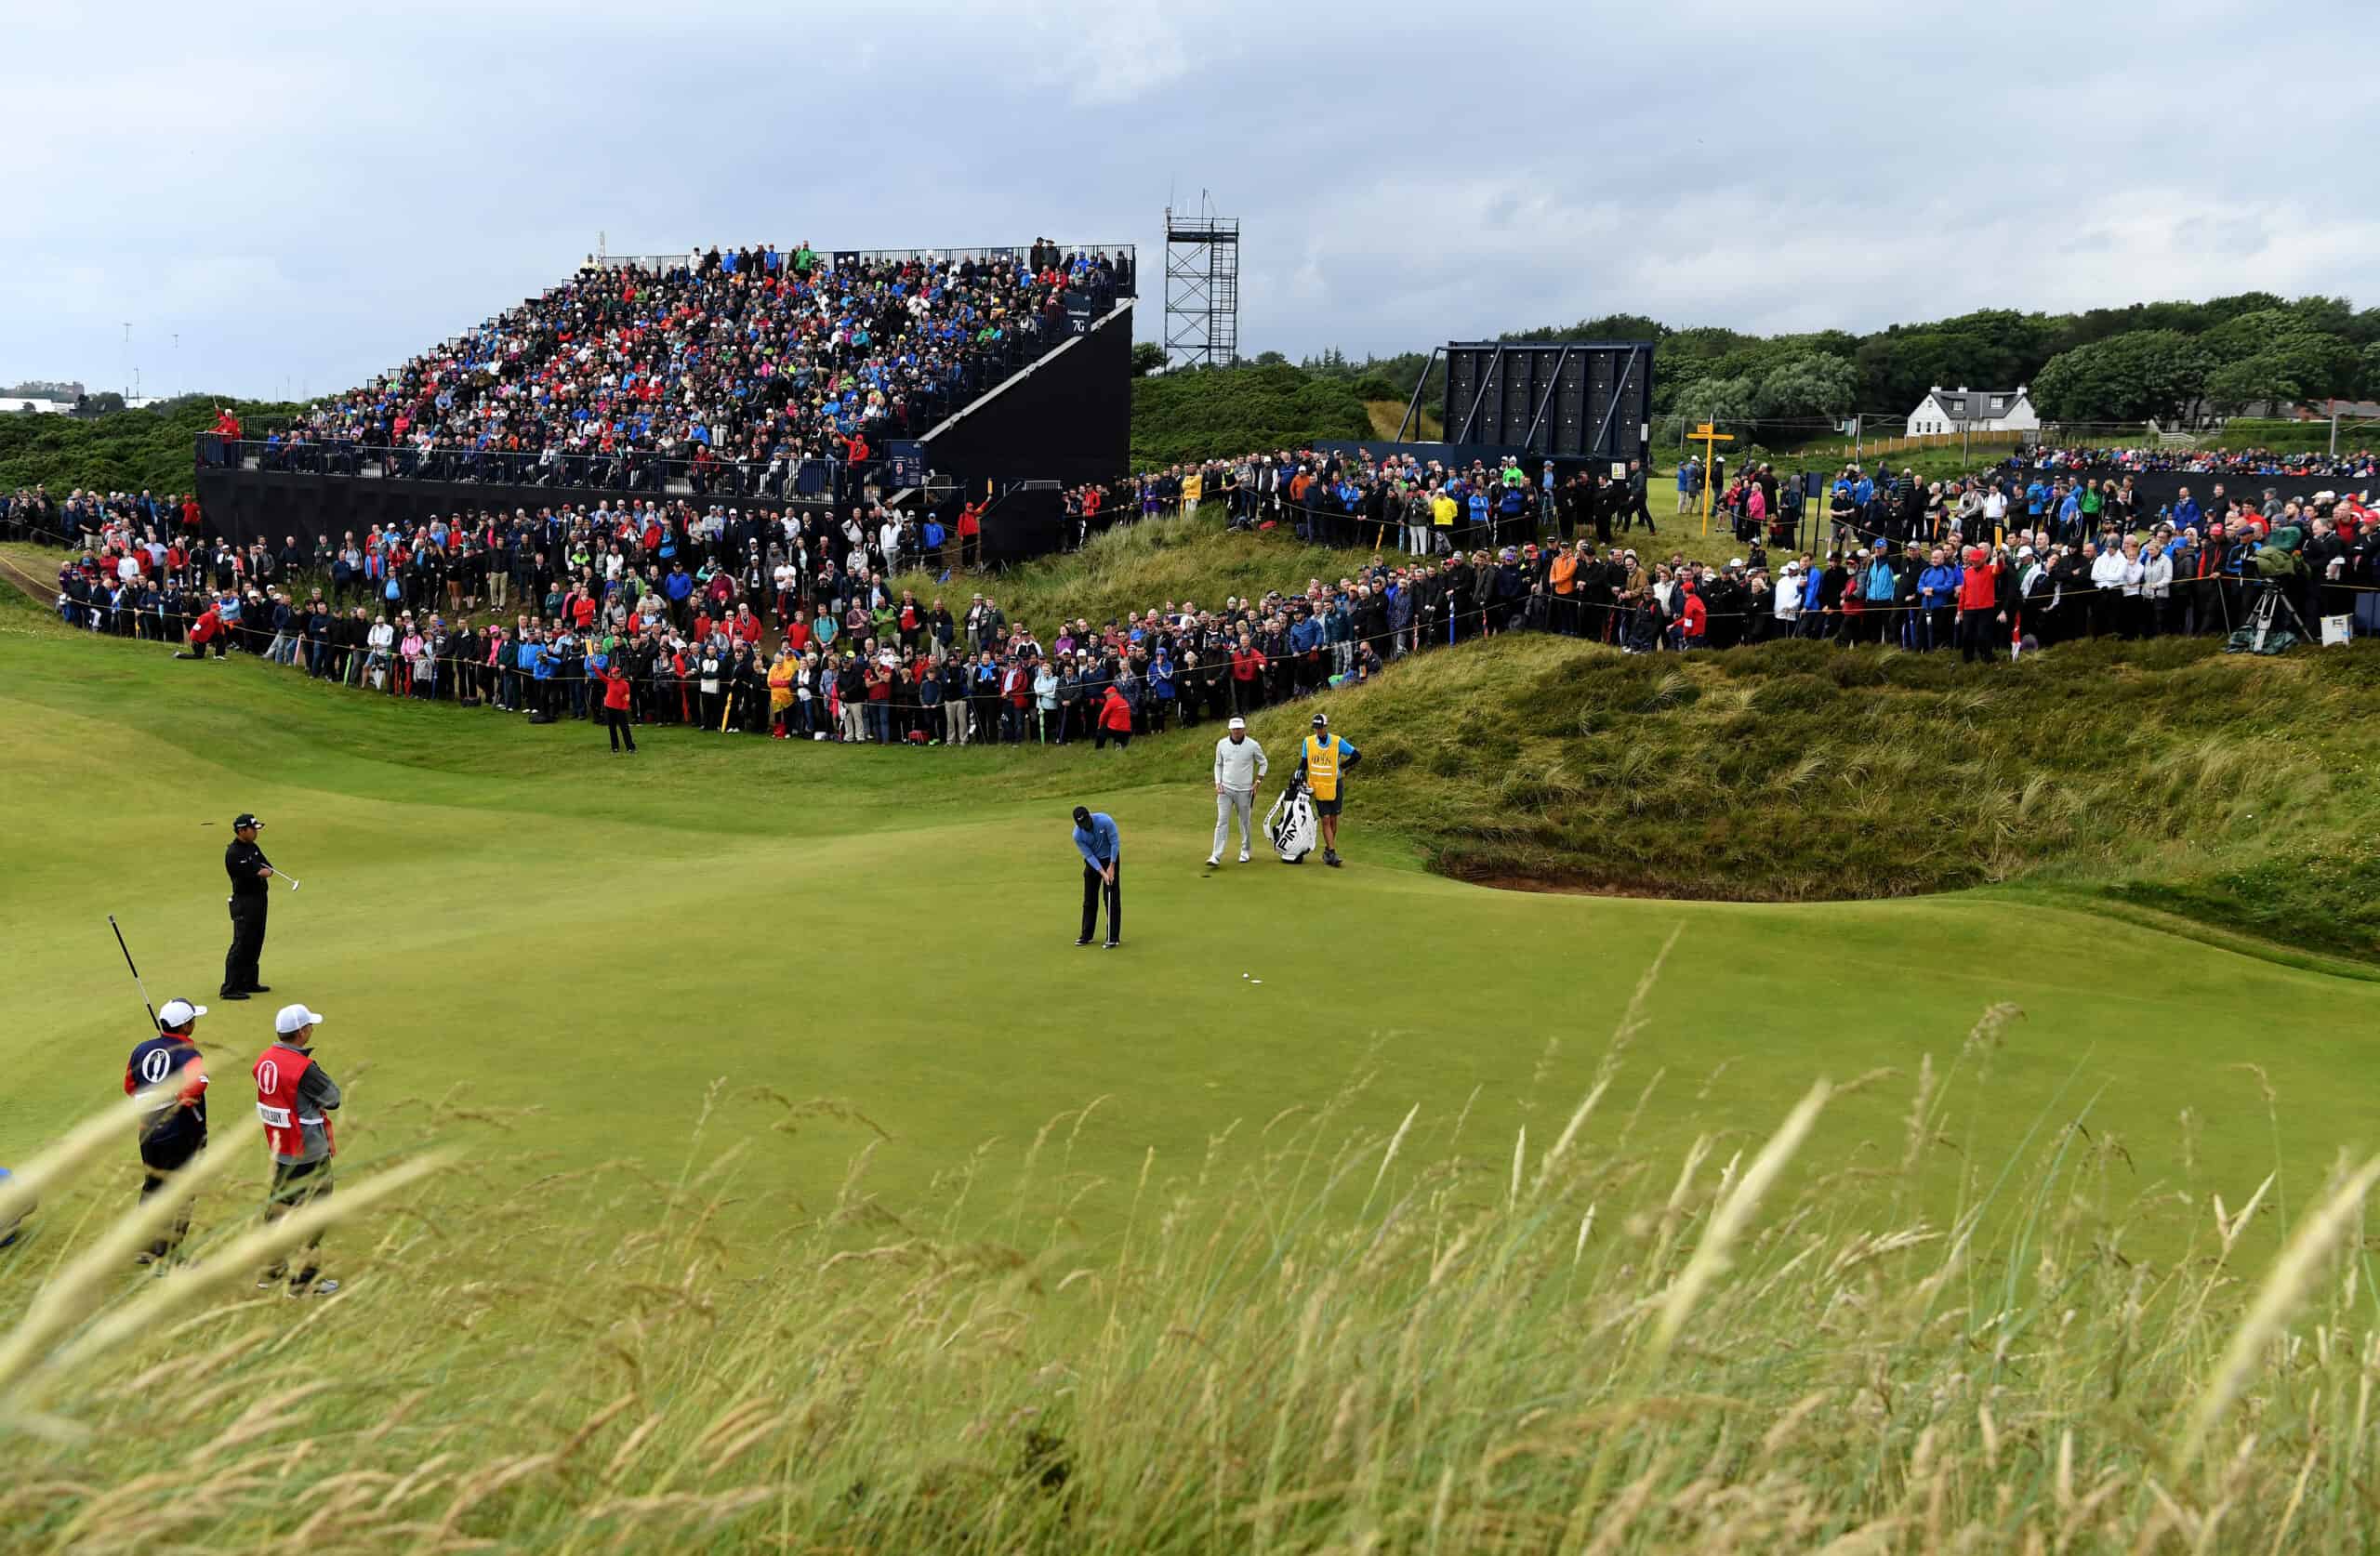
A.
x: 295, y: 1100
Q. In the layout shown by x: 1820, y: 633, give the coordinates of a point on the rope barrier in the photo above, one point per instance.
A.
x: 1616, y: 602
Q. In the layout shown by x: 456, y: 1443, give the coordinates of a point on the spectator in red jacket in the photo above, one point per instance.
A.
x: 971, y: 536
x: 1247, y: 664
x: 207, y: 628
x: 1694, y: 614
x: 1115, y: 722
x: 616, y: 694
x: 1980, y: 611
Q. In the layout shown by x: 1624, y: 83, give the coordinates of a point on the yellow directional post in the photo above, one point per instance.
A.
x: 1709, y: 437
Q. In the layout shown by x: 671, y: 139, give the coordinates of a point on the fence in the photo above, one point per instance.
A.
x: 1125, y: 255
x: 1872, y: 448
x: 630, y: 472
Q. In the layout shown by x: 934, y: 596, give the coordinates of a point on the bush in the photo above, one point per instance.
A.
x: 152, y: 449
x: 1219, y: 412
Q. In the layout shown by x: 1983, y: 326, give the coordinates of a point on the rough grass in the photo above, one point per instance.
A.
x: 1305, y: 1342
x: 2232, y: 790
x: 1387, y: 415
x: 1133, y: 567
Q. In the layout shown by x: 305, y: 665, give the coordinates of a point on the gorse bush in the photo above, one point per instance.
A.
x: 1317, y: 1336
x: 1221, y: 413
x: 153, y: 449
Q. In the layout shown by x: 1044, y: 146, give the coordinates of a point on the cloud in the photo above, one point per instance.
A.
x: 1119, y: 54
x: 301, y: 200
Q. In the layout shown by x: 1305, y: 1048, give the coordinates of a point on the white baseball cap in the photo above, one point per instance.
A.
x: 178, y: 1013
x: 293, y: 1018
x: 1237, y: 724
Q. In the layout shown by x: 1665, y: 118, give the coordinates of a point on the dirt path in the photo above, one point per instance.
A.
x: 44, y: 591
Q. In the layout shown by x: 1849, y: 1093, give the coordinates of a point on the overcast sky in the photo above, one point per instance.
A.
x: 307, y: 195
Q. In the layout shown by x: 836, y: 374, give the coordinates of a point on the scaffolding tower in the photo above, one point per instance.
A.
x: 1201, y: 290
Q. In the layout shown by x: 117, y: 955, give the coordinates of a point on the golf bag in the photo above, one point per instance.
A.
x: 1290, y: 825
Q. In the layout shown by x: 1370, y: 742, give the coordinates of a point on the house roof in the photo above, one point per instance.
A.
x: 1974, y: 404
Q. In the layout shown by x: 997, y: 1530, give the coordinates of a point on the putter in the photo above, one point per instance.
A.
x: 294, y: 882
x: 135, y: 973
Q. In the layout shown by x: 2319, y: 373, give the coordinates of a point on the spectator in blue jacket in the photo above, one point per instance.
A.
x: 1938, y: 598
x: 542, y: 662
x: 678, y: 587
x: 1879, y: 582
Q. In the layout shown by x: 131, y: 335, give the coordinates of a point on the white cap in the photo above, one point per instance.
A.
x: 1237, y: 724
x: 179, y: 1013
x: 292, y: 1018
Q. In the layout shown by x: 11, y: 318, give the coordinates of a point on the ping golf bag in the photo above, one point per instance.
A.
x: 1290, y: 825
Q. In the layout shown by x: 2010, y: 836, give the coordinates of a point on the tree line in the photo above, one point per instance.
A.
x: 2172, y: 361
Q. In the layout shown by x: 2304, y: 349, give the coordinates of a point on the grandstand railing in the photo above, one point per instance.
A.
x: 631, y: 473
x: 1125, y: 253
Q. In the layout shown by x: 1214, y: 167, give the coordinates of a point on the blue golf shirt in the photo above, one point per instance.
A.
x: 1099, y: 844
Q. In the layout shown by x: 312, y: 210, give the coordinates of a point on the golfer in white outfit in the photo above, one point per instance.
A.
x: 1240, y: 766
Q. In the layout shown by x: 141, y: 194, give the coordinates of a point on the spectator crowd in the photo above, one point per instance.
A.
x: 2359, y: 465
x: 796, y: 622
x: 736, y: 370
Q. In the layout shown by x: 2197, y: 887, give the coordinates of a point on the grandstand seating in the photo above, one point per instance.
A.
x: 756, y: 371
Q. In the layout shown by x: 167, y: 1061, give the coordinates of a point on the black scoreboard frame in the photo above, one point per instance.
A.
x: 1561, y: 398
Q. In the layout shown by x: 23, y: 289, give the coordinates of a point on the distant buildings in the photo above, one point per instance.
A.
x: 1966, y: 410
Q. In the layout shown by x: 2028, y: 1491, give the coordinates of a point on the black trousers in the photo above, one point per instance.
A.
x: 239, y: 972
x: 1975, y: 638
x: 159, y: 1159
x: 295, y: 1184
x: 616, y: 720
x: 1093, y: 888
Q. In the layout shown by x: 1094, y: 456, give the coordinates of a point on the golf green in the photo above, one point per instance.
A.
x: 555, y: 957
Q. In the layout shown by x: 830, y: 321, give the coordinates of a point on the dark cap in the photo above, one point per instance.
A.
x: 1082, y: 815
x: 244, y: 819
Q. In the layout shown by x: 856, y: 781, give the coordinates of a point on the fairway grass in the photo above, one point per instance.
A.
x: 782, y: 1104
x: 500, y: 917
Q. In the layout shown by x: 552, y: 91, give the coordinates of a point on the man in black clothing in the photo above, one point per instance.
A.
x: 1463, y: 616
x: 174, y: 1131
x: 249, y: 869
x: 1638, y: 508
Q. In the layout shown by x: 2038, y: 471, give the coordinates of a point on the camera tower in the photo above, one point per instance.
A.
x: 1201, y: 287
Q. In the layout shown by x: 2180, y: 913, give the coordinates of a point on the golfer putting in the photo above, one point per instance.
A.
x: 1102, y: 848
x: 1322, y: 768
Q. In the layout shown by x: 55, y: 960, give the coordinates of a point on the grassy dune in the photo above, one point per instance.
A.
x: 2237, y: 792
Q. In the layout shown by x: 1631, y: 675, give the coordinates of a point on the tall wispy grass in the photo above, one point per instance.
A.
x: 1320, y: 1336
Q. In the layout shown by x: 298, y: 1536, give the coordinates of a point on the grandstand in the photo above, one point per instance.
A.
x: 754, y: 375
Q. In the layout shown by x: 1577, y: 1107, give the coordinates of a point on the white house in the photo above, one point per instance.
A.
x: 1966, y: 410
x: 29, y: 405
